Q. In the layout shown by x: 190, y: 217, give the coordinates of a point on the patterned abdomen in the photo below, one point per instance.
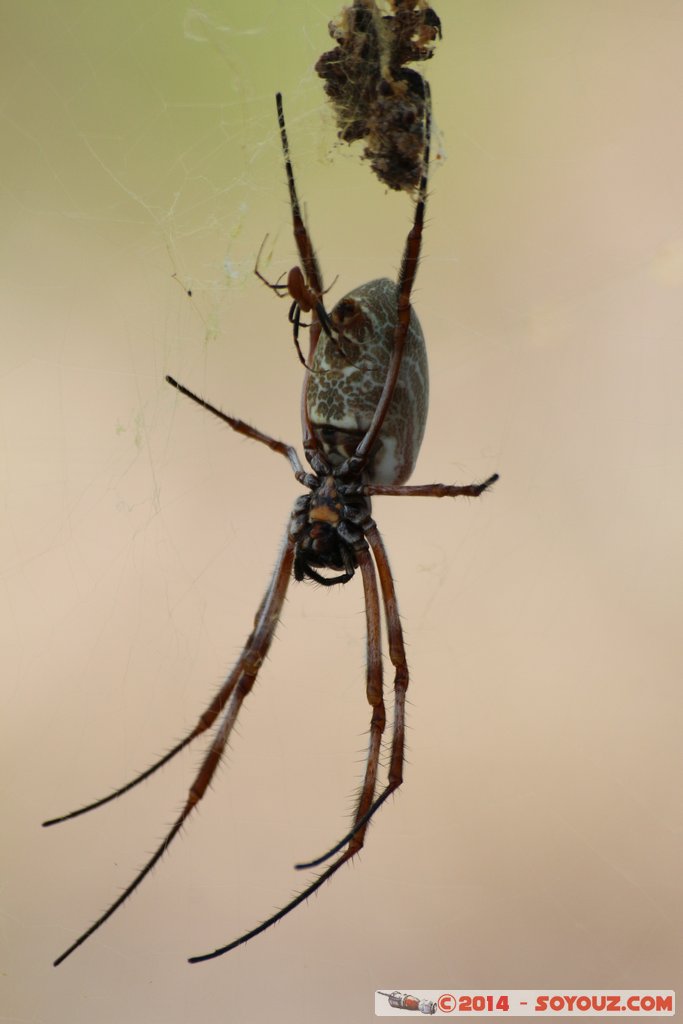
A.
x: 348, y: 375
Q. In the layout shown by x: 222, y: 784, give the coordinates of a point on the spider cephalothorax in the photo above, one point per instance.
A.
x: 363, y: 415
x: 327, y: 527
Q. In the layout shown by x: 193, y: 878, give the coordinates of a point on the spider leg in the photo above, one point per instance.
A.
x: 397, y: 654
x: 241, y: 427
x: 295, y: 320
x: 278, y: 287
x: 355, y: 464
x: 314, y: 283
x: 292, y: 905
x: 206, y: 720
x: 229, y: 699
x: 374, y: 693
x: 204, y: 723
x: 365, y: 800
x: 430, y: 490
x: 304, y: 245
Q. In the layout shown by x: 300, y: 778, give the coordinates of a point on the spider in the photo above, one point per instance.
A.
x: 363, y: 415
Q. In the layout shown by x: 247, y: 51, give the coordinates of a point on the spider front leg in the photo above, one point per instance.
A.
x: 356, y: 464
x: 307, y: 255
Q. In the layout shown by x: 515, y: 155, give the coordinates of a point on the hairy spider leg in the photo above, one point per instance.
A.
x: 306, y: 289
x: 374, y: 690
x: 429, y: 490
x: 303, y: 241
x: 314, y: 281
x: 209, y: 716
x: 367, y: 809
x: 309, y: 261
x: 356, y: 463
x: 288, y: 450
x: 229, y: 700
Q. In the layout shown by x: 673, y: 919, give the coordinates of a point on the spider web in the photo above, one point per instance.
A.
x: 142, y: 161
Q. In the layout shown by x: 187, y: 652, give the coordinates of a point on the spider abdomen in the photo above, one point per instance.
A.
x: 348, y: 374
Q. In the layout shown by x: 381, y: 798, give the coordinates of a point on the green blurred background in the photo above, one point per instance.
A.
x: 537, y: 839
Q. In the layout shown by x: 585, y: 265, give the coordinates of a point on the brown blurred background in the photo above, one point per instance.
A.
x: 537, y: 839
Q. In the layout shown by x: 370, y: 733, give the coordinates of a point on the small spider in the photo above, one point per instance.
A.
x: 363, y: 411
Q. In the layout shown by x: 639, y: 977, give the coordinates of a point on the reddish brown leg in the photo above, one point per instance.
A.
x: 411, y: 258
x: 229, y: 700
x: 398, y: 658
x: 374, y: 692
x: 397, y: 653
x: 314, y: 286
x: 305, y: 246
x: 241, y: 427
x: 429, y: 490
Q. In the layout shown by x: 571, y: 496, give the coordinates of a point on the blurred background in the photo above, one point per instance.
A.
x: 537, y: 839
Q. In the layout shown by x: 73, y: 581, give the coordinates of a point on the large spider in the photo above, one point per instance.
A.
x: 363, y: 414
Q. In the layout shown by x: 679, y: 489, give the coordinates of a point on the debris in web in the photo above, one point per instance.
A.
x: 375, y: 96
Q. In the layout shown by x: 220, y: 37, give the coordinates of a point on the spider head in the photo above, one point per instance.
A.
x: 321, y: 547
x: 327, y: 527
